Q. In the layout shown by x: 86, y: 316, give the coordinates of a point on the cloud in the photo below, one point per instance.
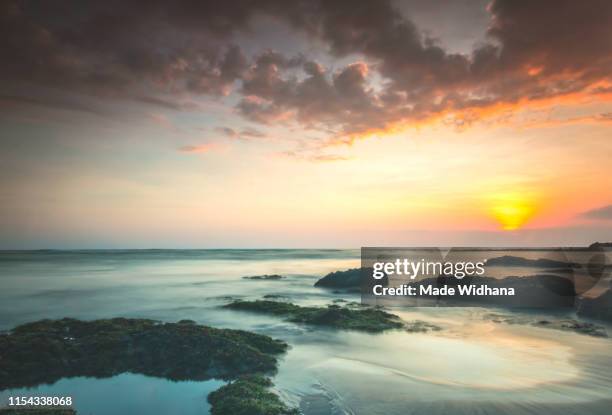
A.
x: 109, y: 49
x: 535, y: 54
x: 541, y: 52
x: 252, y: 133
x: 315, y: 157
x: 227, y: 131
x: 57, y: 102
x: 245, y: 134
x: 602, y: 213
x: 200, y: 148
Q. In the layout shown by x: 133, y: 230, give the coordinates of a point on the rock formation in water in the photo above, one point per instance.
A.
x: 599, y: 308
x: 517, y: 261
x: 334, y: 316
x: 47, y: 350
x: 350, y: 279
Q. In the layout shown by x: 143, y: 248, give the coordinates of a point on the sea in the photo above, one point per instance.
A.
x: 473, y: 365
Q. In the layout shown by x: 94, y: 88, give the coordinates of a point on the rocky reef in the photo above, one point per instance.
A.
x: 536, y: 291
x: 598, y: 308
x: 564, y: 324
x: 347, y: 318
x: 47, y: 350
x: 517, y: 261
x: 248, y: 395
x: 264, y: 277
x: 601, y: 245
x: 350, y: 279
x: 341, y: 279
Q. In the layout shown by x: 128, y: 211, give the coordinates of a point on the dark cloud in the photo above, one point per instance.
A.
x: 106, y: 48
x: 602, y: 213
x: 16, y: 101
x: 533, y: 51
x: 341, y: 99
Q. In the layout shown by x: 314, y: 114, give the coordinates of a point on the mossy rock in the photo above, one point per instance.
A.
x: 47, y: 350
x: 248, y: 395
x: 367, y: 319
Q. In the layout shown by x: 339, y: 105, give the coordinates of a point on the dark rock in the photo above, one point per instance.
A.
x: 274, y: 296
x: 47, y: 350
x: 515, y: 261
x: 420, y: 326
x: 364, y: 319
x: 600, y: 245
x: 565, y: 324
x: 599, y: 308
x: 264, y: 277
x: 341, y: 279
x: 349, y: 279
x: 536, y: 291
x: 248, y: 395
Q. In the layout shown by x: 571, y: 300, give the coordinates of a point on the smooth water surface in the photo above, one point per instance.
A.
x: 471, y: 366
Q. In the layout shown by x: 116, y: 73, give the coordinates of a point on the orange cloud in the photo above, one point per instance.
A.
x: 500, y: 112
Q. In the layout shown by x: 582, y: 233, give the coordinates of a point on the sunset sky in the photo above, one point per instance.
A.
x: 212, y: 124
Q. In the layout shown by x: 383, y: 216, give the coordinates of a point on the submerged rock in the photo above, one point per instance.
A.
x: 47, y: 350
x: 517, y: 261
x: 420, y: 326
x: 536, y: 291
x: 565, y: 324
x: 274, y: 296
x: 264, y: 277
x: 599, y: 308
x: 600, y: 245
x: 248, y: 395
x: 341, y: 279
x: 364, y: 319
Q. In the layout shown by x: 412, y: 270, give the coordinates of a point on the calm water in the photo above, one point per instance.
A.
x: 471, y: 366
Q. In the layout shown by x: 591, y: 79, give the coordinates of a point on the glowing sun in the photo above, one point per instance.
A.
x: 512, y: 211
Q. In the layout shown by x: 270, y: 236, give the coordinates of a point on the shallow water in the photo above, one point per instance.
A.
x: 127, y: 393
x: 471, y: 366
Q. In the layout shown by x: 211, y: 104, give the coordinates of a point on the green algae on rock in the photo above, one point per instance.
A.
x: 365, y: 319
x: 248, y: 395
x: 47, y: 350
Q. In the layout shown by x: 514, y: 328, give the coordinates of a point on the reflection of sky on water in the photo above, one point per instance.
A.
x: 471, y: 365
x: 128, y: 393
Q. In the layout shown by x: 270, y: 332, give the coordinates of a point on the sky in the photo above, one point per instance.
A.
x: 330, y: 124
